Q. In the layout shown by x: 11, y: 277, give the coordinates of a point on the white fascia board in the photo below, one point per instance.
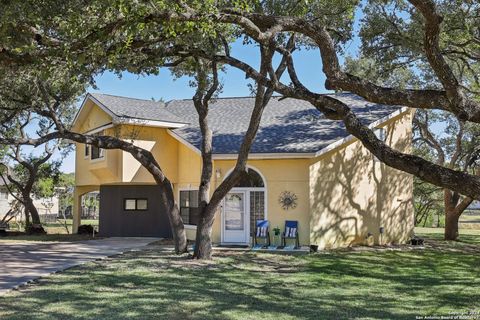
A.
x: 101, y: 128
x: 98, y: 103
x: 185, y: 142
x: 349, y: 138
x: 148, y: 123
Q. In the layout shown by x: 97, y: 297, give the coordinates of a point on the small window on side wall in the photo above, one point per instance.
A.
x: 87, y: 151
x: 3, y: 195
x: 132, y: 204
x: 381, y: 134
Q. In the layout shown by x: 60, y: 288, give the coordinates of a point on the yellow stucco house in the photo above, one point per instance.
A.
x: 339, y: 193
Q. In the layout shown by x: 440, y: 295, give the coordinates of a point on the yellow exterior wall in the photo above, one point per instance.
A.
x: 189, y: 171
x: 95, y: 117
x: 351, y: 195
x: 156, y: 140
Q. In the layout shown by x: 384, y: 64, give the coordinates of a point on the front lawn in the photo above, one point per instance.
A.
x: 153, y: 284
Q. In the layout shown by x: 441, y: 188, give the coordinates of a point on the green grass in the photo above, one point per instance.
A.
x: 54, y: 231
x: 468, y: 236
x: 154, y: 284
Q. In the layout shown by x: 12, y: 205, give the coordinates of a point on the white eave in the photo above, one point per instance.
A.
x: 148, y: 123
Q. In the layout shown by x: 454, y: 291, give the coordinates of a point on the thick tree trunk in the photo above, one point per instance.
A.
x: 451, y: 225
x: 203, y: 241
x: 174, y: 217
x: 453, y: 210
x: 36, y: 226
x: 27, y: 215
x: 178, y: 230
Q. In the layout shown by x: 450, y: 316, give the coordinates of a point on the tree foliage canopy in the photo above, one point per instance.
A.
x: 435, y: 41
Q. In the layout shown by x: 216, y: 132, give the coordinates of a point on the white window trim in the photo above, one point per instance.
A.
x: 186, y: 226
x: 84, y: 155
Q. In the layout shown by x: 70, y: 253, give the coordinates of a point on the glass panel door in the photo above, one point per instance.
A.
x: 234, y: 218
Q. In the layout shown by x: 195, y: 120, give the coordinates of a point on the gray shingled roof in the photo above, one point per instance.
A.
x: 287, y: 126
x: 124, y: 107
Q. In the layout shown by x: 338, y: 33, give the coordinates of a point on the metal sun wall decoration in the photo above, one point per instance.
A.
x: 288, y: 200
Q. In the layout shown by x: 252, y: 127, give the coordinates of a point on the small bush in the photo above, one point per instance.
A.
x: 85, y: 229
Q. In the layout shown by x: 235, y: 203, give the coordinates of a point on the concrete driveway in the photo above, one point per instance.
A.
x: 21, y: 262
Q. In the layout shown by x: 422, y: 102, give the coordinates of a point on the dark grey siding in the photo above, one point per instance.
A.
x: 116, y: 222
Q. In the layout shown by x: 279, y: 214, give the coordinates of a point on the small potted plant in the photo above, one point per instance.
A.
x: 276, y: 236
x: 276, y: 231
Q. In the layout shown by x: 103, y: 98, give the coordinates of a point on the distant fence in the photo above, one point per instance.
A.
x: 48, y: 218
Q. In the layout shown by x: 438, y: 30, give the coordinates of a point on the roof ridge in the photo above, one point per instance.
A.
x: 273, y: 96
x: 223, y: 98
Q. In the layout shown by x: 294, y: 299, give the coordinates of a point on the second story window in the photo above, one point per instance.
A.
x: 97, y: 153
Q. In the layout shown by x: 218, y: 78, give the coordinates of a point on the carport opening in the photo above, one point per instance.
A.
x: 90, y: 208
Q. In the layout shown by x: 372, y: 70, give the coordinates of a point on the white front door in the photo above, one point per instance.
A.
x: 235, y: 220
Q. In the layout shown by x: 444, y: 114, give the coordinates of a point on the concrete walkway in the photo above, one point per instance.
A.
x: 21, y: 262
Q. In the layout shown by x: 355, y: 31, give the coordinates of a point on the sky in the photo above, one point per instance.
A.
x: 164, y: 86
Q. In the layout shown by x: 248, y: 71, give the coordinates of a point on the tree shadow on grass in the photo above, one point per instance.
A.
x: 156, y: 284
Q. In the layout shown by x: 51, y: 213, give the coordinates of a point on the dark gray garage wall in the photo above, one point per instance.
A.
x: 116, y: 222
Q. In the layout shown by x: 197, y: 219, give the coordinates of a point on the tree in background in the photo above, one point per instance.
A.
x: 439, y: 137
x: 457, y: 146
x: 64, y: 192
x: 428, y: 204
x: 31, y: 177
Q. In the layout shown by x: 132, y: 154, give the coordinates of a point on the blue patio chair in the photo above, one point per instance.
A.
x: 291, y: 232
x: 262, y: 231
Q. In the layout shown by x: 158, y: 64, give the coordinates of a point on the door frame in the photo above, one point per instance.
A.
x: 246, y: 222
